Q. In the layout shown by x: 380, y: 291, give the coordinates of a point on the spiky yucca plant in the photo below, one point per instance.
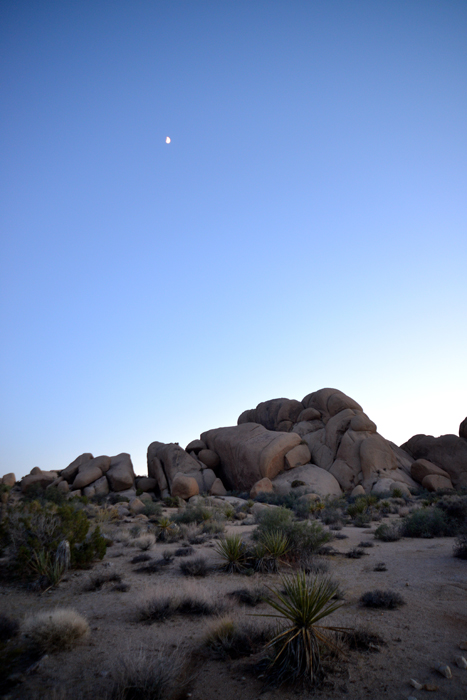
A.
x: 234, y: 553
x: 302, y: 602
x: 272, y: 547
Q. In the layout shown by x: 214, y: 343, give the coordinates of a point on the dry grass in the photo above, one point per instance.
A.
x: 148, y: 675
x: 55, y: 630
x: 192, y: 600
x: 145, y: 542
x: 228, y: 639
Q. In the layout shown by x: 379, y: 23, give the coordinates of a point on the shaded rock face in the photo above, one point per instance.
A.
x: 448, y: 452
x: 463, y: 429
x: 341, y: 439
x: 249, y: 452
x: 166, y: 461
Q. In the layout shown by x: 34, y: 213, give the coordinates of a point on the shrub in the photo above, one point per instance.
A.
x: 158, y: 608
x: 296, y: 649
x: 100, y: 578
x: 213, y: 527
x: 460, y: 546
x: 195, y: 567
x: 154, y: 566
x: 312, y: 564
x: 193, y: 514
x: 355, y: 553
x: 153, y: 510
x: 366, y: 543
x: 455, y: 511
x: 381, y: 566
x: 272, y: 547
x: 426, y: 522
x: 184, y: 551
x: 363, y: 639
x: 382, y: 599
x: 234, y: 553
x: 145, y: 542
x: 55, y: 630
x: 232, y: 640
x: 189, y: 601
x: 250, y: 596
x: 9, y: 627
x: 122, y: 587
x: 388, y: 533
x: 135, y: 531
x: 148, y: 675
x: 140, y: 558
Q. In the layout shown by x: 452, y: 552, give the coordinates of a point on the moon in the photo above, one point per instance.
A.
x: 168, y: 139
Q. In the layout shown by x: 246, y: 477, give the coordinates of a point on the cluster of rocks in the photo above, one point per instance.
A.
x: 324, y: 444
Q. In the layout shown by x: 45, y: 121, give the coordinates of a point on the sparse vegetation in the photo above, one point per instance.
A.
x: 388, y: 532
x: 232, y: 640
x: 460, y: 546
x: 363, y: 640
x: 195, y: 567
x: 54, y: 630
x: 426, y: 522
x: 190, y: 601
x: 389, y: 600
x: 98, y: 579
x: 250, y: 596
x: 148, y: 675
x: 233, y: 551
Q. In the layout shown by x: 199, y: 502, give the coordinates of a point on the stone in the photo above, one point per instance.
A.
x: 382, y: 487
x: 336, y: 427
x: 41, y: 478
x: 71, y: 470
x: 361, y: 422
x: 463, y: 429
x: 9, y: 479
x: 184, y: 486
x: 447, y: 451
x: 261, y: 486
x: 101, y: 486
x: 209, y: 458
x: 358, y: 491
x: 330, y: 401
x: 312, y: 477
x: 249, y: 452
x: 217, y: 488
x: 74, y: 494
x: 55, y: 483
x: 344, y: 475
x: 297, y: 457
x: 145, y: 497
x: 320, y: 453
x: 376, y: 455
x: 145, y: 484
x: 128, y: 493
x: 167, y: 460
x: 309, y: 498
x: 63, y: 486
x: 195, y: 446
x: 259, y: 508
x: 137, y: 506
x: 435, y: 482
x: 305, y: 427
x: 204, y: 478
x: 89, y: 491
x: 285, y: 426
x: 121, y: 475
x: 86, y: 476
x: 309, y: 414
x: 422, y: 468
x: 403, y: 488
x: 35, y: 470
x: 102, y: 462
x: 271, y: 413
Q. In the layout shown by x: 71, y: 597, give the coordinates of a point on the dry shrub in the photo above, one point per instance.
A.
x: 192, y: 600
x: 55, y: 630
x: 97, y: 580
x: 149, y: 675
x: 389, y: 600
x: 250, y: 596
x: 145, y: 542
x: 195, y: 567
x: 228, y: 639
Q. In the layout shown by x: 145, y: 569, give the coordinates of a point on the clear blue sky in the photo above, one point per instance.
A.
x: 306, y: 226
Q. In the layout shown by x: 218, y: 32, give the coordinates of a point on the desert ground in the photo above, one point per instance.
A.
x: 428, y: 629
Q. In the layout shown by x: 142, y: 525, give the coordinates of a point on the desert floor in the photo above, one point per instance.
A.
x: 428, y: 629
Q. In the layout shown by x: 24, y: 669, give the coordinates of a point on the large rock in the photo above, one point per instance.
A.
x: 248, y: 452
x: 376, y: 456
x: 195, y: 446
x: 205, y: 479
x: 422, y: 468
x: 271, y: 413
x: 321, y: 454
x: 102, y: 462
x: 209, y: 458
x: 145, y: 484
x: 314, y: 478
x: 41, y: 478
x: 435, y: 482
x: 297, y: 457
x: 86, y: 476
x: 261, y: 486
x: 329, y: 402
x: 101, y: 486
x: 121, y: 475
x: 9, y: 479
x: 165, y: 460
x: 184, y: 486
x: 463, y: 429
x: 70, y: 472
x: 218, y: 488
x: 448, y: 452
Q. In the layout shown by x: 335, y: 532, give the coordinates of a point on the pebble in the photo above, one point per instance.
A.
x: 461, y: 661
x: 443, y: 669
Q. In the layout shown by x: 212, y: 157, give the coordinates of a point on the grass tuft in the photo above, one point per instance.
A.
x: 389, y: 600
x: 148, y: 675
x: 55, y: 630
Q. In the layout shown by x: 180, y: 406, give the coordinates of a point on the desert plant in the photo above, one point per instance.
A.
x: 98, y: 579
x: 145, y: 542
x: 184, y: 551
x: 355, y: 553
x: 228, y: 639
x: 460, y: 546
x: 362, y: 639
x: 312, y: 564
x: 191, y: 601
x: 302, y: 603
x: 365, y: 544
x: 271, y: 548
x: 250, y: 596
x: 148, y: 675
x: 152, y: 510
x: 195, y: 567
x: 165, y: 527
x: 139, y: 558
x: 122, y: 587
x: 106, y: 514
x: 213, y: 527
x: 159, y: 607
x: 426, y: 522
x: 234, y: 553
x: 380, y: 566
x: 135, y: 531
x: 54, y: 630
x: 388, y: 533
x: 389, y: 600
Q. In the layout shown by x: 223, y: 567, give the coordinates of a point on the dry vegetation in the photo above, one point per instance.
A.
x: 211, y: 601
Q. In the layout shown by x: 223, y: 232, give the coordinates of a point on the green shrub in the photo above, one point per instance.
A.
x: 234, y: 553
x: 227, y: 639
x: 388, y: 533
x: 426, y: 522
x: 301, y: 536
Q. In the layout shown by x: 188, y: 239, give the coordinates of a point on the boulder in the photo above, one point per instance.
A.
x: 344, y: 474
x: 9, y: 479
x: 304, y: 427
x: 145, y: 484
x: 101, y: 486
x: 128, y: 493
x: 422, y: 468
x: 167, y: 460
x: 35, y: 470
x: 261, y: 486
x: 209, y: 458
x: 89, y: 491
x: 74, y: 494
x: 330, y: 402
x: 41, y: 478
x: 382, y: 487
x: 435, y: 482
x: 358, y: 491
x: 217, y: 488
x: 376, y: 456
x: 297, y: 457
x: 448, y: 452
x: 71, y: 470
x: 313, y: 478
x: 361, y: 422
x: 86, y: 476
x: 248, y: 452
x: 195, y: 446
x: 63, y: 487
x: 121, y: 475
x: 184, y: 486
x: 336, y: 427
x: 205, y: 479
x: 463, y: 429
x: 271, y: 413
x: 137, y: 506
x: 309, y: 414
x: 321, y: 454
x: 102, y: 462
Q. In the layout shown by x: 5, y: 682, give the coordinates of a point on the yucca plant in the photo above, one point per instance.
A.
x: 302, y: 602
x: 234, y: 553
x: 272, y: 547
x: 165, y: 526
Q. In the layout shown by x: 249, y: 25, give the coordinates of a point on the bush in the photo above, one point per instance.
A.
x: 99, y: 579
x: 195, y: 567
x: 363, y: 639
x: 388, y: 533
x: 382, y: 599
x: 355, y: 553
x: 234, y: 553
x: 312, y: 564
x: 152, y: 510
x: 232, y: 640
x: 250, y: 596
x: 460, y: 546
x: 148, y: 675
x: 191, y: 601
x: 184, y: 551
x: 426, y: 522
x: 55, y: 630
x: 301, y: 536
x: 145, y: 542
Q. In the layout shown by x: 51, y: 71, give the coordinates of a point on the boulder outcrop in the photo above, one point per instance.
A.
x: 448, y: 452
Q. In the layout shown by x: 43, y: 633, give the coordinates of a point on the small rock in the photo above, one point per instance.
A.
x: 415, y: 684
x: 461, y: 661
x: 443, y: 669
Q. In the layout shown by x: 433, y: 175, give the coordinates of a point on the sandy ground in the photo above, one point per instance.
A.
x: 428, y: 629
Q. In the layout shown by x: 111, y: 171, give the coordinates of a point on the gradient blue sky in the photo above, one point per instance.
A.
x: 305, y: 228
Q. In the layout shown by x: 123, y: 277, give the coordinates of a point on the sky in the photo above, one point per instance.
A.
x: 305, y: 228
